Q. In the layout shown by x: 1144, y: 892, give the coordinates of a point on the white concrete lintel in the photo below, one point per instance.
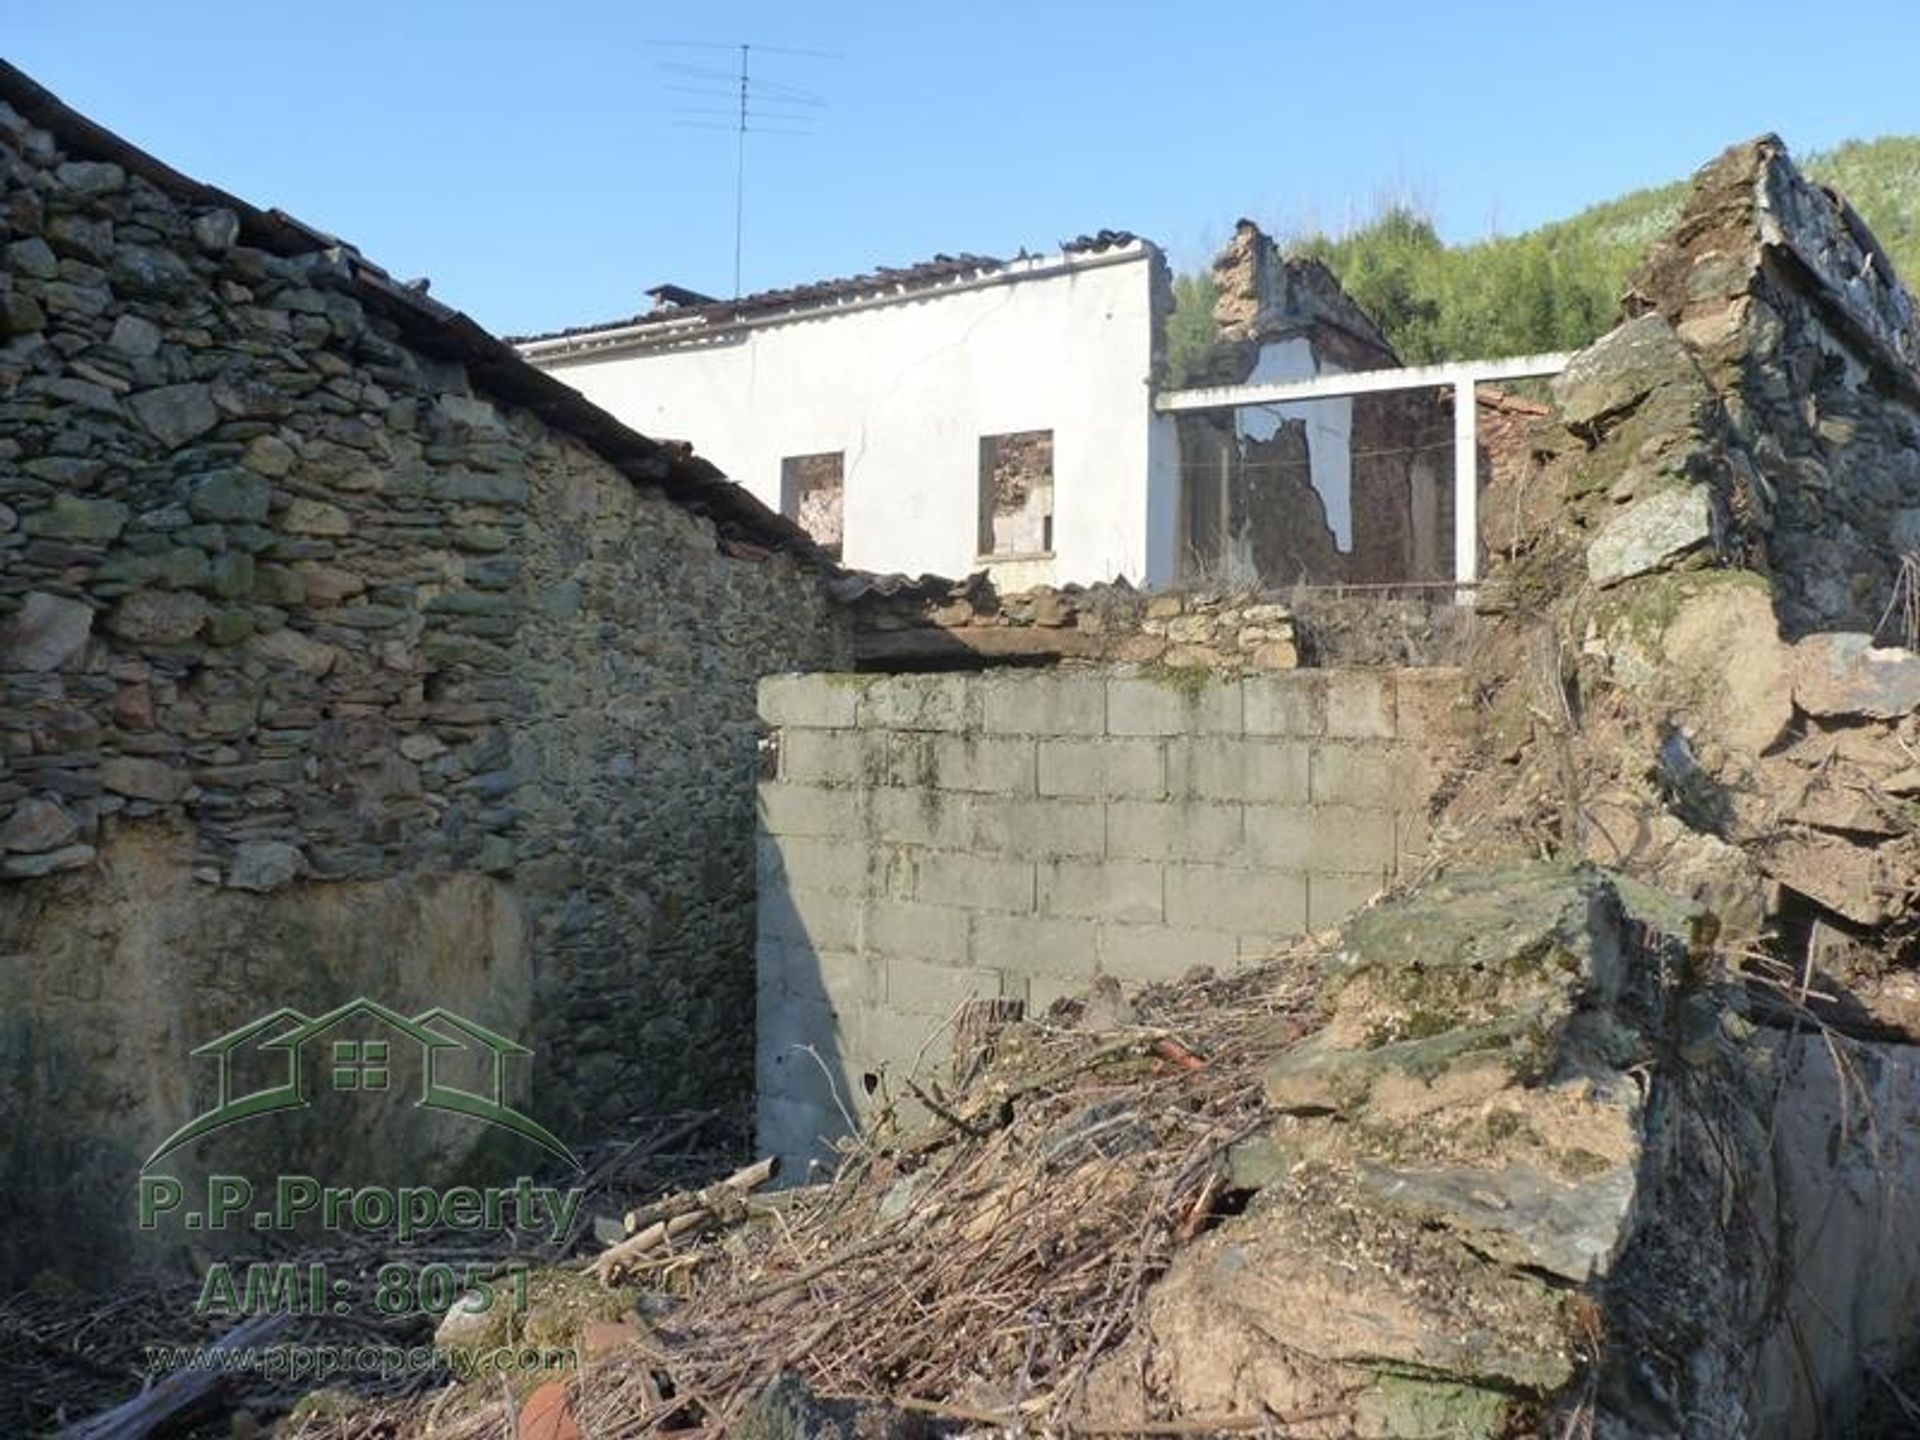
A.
x: 1362, y: 382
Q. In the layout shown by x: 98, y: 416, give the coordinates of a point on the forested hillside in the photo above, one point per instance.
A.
x: 1554, y: 288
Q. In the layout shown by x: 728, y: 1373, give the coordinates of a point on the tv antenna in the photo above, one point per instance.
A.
x: 740, y: 101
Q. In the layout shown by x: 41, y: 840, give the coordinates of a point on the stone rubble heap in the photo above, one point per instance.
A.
x: 1221, y: 631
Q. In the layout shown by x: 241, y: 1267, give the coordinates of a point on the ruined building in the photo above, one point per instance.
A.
x: 978, y: 414
x: 341, y: 653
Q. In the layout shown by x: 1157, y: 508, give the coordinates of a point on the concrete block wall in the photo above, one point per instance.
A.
x: 928, y: 839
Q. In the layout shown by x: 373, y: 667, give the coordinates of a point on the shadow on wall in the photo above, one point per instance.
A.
x: 802, y: 1082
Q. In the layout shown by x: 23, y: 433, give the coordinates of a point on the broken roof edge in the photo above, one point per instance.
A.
x: 929, y: 279
x: 441, y: 332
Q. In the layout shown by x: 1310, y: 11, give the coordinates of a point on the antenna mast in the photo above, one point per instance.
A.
x: 751, y: 103
x: 740, y: 173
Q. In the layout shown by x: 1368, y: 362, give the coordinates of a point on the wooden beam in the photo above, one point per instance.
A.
x: 965, y: 647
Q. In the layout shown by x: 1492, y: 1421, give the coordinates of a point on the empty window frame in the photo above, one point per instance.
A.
x: 1016, y: 493
x: 813, y: 495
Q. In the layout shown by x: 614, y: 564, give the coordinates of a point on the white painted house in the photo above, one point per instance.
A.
x: 1011, y: 416
x: 880, y: 410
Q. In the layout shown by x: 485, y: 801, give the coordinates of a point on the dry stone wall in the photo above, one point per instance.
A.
x: 1795, y: 318
x: 291, y: 606
x: 930, y: 839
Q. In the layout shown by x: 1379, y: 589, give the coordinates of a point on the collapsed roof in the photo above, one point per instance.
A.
x: 684, y: 304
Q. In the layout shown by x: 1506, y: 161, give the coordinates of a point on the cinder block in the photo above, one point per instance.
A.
x: 797, y: 1022
x: 917, y: 988
x: 1147, y: 953
x: 1293, y: 704
x: 974, y: 882
x: 993, y: 765
x: 1138, y: 706
x: 1133, y: 769
x: 945, y: 702
x: 1255, y: 770
x: 814, y: 701
x: 1174, y: 830
x: 1174, y: 703
x: 1038, y: 829
x: 1236, y: 899
x: 1360, y: 704
x: 1362, y: 774
x: 1034, y: 945
x: 917, y: 932
x: 1120, y: 890
x: 809, y: 918
x: 1332, y: 898
x: 805, y: 1071
x: 909, y: 760
x: 804, y: 862
x: 922, y: 817
x: 810, y: 810
x: 1341, y: 839
x: 910, y: 1043
x: 1043, y: 704
x: 832, y: 757
x: 836, y: 978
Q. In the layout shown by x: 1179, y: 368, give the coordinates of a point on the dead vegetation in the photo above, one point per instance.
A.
x: 973, y: 1271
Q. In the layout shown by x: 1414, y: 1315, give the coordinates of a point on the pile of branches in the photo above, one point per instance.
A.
x: 976, y: 1269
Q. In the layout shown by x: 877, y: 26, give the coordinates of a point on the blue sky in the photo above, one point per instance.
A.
x: 527, y: 157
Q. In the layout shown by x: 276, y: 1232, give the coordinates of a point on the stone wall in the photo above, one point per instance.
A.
x: 1808, y: 341
x: 927, y: 839
x: 303, y: 623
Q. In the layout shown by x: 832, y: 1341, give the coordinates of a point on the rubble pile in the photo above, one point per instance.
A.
x: 1224, y: 631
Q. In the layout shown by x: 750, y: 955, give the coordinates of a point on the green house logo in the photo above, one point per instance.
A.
x: 363, y: 1060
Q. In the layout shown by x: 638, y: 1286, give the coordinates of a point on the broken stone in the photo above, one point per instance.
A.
x: 265, y: 865
x: 87, y: 179
x: 44, y: 633
x: 422, y: 747
x: 327, y: 585
x: 175, y: 414
x: 1724, y: 637
x: 230, y: 495
x: 216, y: 230
x: 143, y: 779
x: 1620, y: 369
x: 20, y: 314
x: 315, y: 517
x: 38, y: 825
x: 303, y: 652
x: 150, y: 272
x: 73, y: 517
x: 269, y: 455
x: 153, y: 617
x: 1650, y: 534
x: 135, y: 337
x: 28, y: 867
x: 1844, y: 673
